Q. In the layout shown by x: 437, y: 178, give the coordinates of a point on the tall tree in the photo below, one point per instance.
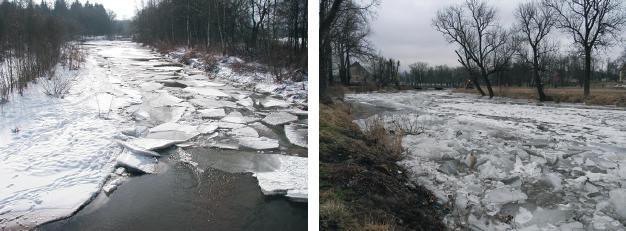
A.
x: 535, y: 23
x: 472, y: 26
x: 592, y: 24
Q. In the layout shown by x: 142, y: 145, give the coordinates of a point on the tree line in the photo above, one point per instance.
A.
x: 32, y: 37
x: 269, y: 30
x: 486, y: 49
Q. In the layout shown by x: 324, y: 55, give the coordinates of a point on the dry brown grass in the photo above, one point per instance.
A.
x: 599, y: 96
x: 389, y: 141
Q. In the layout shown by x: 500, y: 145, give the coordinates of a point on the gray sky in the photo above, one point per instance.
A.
x: 402, y: 29
x: 124, y: 9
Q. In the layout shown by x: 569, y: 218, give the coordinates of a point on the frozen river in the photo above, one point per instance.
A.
x: 132, y: 113
x: 537, y: 167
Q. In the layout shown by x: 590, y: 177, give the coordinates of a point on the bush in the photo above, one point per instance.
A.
x: 57, y: 85
x: 390, y: 141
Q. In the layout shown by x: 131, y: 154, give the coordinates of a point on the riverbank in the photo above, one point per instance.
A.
x: 361, y: 184
x: 599, y: 96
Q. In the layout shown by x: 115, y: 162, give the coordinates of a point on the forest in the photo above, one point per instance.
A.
x: 273, y: 32
x: 33, y: 37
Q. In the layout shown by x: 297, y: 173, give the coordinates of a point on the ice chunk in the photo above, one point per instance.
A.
x: 112, y: 185
x: 495, y: 198
x: 618, y: 200
x: 212, y: 113
x: 162, y: 99
x: 554, y: 180
x: 237, y: 117
x: 246, y: 102
x: 296, y: 135
x: 245, y: 132
x: 279, y: 118
x: 524, y: 216
x: 490, y: 171
x: 138, y: 131
x: 602, y: 222
x: 258, y: 143
x: 289, y: 178
x: 173, y: 131
x: 119, y: 171
x: 136, y: 149
x: 212, y: 103
x: 207, y: 128
x: 140, y: 163
x: 166, y: 114
x: 269, y: 101
x: 206, y: 91
x: 153, y: 144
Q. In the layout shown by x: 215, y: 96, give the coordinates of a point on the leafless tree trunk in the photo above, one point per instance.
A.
x: 535, y: 22
x: 591, y: 23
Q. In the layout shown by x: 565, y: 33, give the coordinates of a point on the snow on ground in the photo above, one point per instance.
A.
x: 505, y: 164
x: 61, y: 154
x: 126, y: 104
x: 295, y: 92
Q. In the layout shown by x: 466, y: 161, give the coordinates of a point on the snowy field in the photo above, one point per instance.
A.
x: 125, y: 105
x: 537, y: 167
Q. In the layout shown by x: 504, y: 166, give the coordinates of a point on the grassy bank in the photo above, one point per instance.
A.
x: 599, y: 96
x: 361, y: 186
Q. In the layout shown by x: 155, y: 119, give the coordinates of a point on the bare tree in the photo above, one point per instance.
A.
x: 592, y: 23
x: 330, y: 13
x: 472, y: 26
x: 535, y: 23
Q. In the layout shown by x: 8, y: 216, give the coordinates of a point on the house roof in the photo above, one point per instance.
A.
x: 357, y: 66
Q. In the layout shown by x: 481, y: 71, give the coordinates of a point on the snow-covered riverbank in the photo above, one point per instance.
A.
x: 126, y: 103
x: 538, y: 167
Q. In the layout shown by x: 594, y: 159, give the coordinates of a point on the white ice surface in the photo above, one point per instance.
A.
x: 296, y: 135
x: 561, y: 157
x: 258, y: 143
x: 61, y: 155
x: 136, y: 162
x: 289, y: 179
x: 212, y: 113
x: 279, y: 118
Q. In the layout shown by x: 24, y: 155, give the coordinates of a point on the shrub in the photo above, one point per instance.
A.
x: 57, y: 85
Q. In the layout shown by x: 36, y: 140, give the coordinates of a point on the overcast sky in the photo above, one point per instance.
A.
x: 124, y: 9
x: 403, y: 29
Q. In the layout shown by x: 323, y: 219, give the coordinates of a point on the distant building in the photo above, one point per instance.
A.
x: 359, y: 75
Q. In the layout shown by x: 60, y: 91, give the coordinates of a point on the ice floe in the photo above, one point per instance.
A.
x: 173, y: 131
x: 258, y: 143
x: 212, y: 113
x: 289, y: 179
x: 237, y: 117
x: 296, y: 134
x: 279, y: 118
x: 138, y: 163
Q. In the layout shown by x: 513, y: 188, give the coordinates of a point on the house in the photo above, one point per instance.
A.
x: 359, y: 75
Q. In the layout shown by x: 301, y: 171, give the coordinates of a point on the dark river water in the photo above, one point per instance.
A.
x: 180, y: 197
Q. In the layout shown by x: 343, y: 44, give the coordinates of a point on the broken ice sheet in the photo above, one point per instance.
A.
x: 173, y: 131
x: 289, y: 179
x: 138, y: 163
x: 279, y: 118
x: 296, y: 134
x: 237, y: 117
x: 212, y: 113
x: 258, y: 143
